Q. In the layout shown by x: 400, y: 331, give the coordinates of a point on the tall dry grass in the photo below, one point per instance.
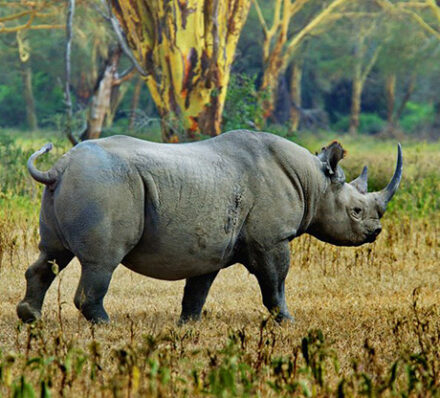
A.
x: 366, y: 319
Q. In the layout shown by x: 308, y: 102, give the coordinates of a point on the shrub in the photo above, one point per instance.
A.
x: 416, y: 116
x: 243, y: 108
x: 369, y: 123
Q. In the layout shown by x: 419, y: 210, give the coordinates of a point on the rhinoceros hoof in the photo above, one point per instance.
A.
x: 183, y: 320
x: 284, y: 319
x: 26, y: 313
x: 98, y: 317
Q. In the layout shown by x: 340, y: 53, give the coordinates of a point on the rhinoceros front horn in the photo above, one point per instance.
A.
x: 388, y: 192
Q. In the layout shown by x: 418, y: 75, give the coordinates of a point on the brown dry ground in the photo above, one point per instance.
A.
x: 362, y: 299
x: 352, y: 295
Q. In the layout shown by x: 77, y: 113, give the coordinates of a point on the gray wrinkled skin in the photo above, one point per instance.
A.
x: 174, y: 211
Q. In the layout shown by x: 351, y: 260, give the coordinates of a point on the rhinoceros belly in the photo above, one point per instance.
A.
x: 172, y: 259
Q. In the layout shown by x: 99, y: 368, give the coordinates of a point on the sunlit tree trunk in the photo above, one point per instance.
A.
x: 135, y: 102
x: 295, y: 94
x: 279, y: 46
x: 186, y: 48
x: 356, y: 94
x: 406, y: 97
x: 390, y: 94
x: 360, y: 74
x: 116, y: 97
x: 26, y: 77
x: 106, y: 97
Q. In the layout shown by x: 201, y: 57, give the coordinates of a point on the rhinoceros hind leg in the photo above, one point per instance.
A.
x: 194, y: 296
x: 39, y: 277
x: 271, y: 267
x: 93, y: 286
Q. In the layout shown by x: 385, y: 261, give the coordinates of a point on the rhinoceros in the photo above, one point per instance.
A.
x: 186, y: 211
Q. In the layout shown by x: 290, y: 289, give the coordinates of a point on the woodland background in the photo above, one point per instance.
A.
x: 368, y: 67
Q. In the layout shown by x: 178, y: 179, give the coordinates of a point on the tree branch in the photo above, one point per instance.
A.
x: 46, y: 27
x: 4, y: 29
x: 308, y: 28
x: 435, y: 8
x: 422, y: 23
x: 125, y: 75
x: 260, y: 16
x: 67, y: 97
x: 370, y: 65
x: 121, y: 39
x: 15, y: 16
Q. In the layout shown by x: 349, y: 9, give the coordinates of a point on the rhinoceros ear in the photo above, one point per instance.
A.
x: 361, y: 183
x: 330, y: 157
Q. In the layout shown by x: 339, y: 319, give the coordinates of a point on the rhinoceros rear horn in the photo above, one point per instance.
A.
x: 388, y: 192
x: 361, y: 183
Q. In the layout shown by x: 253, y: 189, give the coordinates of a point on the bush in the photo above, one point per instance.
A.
x: 243, y: 108
x: 369, y: 123
x: 416, y: 117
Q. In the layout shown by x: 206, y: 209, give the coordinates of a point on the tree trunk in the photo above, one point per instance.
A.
x: 100, y: 104
x: 435, y: 133
x: 26, y: 76
x: 186, y: 48
x: 278, y: 48
x: 390, y: 94
x: 356, y: 93
x: 408, y: 92
x: 116, y: 97
x: 271, y: 75
x: 135, y: 102
x: 295, y: 95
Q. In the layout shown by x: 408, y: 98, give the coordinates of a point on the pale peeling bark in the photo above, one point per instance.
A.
x: 28, y: 15
x: 106, y: 97
x: 187, y: 48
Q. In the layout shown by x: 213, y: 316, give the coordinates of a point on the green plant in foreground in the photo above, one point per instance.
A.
x: 243, y: 365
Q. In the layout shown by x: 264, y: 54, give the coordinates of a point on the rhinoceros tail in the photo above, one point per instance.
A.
x: 45, y: 177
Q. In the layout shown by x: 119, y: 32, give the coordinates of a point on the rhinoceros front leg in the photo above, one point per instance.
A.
x: 93, y: 286
x: 270, y: 267
x: 194, y: 296
x: 39, y: 277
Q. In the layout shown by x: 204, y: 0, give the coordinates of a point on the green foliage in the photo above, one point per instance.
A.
x: 19, y: 194
x: 50, y: 99
x: 327, y: 70
x: 243, y: 104
x: 416, y: 117
x: 369, y: 123
x: 12, y: 112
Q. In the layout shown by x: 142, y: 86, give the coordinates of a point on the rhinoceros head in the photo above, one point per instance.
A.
x: 346, y: 214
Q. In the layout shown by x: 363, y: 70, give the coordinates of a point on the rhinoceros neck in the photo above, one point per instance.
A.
x: 304, y: 172
x: 312, y: 182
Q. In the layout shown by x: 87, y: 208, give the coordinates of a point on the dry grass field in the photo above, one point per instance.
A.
x: 367, y: 320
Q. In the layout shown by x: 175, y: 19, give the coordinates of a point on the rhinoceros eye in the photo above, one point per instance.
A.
x: 357, y: 211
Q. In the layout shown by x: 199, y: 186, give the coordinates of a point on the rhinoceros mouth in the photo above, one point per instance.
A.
x: 371, y: 238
